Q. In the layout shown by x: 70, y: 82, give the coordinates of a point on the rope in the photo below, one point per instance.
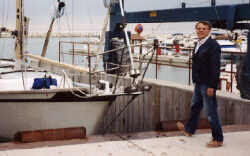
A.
x: 72, y: 89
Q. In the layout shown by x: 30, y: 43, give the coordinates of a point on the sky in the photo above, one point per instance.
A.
x: 88, y: 15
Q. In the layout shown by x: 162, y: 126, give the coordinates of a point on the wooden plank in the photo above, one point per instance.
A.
x: 141, y: 113
x: 117, y: 119
x: 127, y: 112
x: 188, y: 101
x: 163, y: 104
x: 135, y: 112
x: 221, y: 111
x: 157, y: 108
x: 113, y: 116
x: 181, y: 106
x: 148, y: 113
x: 123, y: 118
x: 139, y: 116
x: 240, y: 116
x: 170, y: 104
x: 145, y: 110
x: 151, y: 103
x: 178, y: 105
x: 126, y: 115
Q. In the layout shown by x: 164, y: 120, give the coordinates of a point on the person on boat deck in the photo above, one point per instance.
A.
x: 205, y: 75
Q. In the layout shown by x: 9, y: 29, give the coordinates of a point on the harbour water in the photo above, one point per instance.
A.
x: 34, y: 46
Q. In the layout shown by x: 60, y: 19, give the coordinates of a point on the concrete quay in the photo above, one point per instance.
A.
x: 237, y: 141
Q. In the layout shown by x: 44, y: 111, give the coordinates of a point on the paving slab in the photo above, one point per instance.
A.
x: 236, y: 143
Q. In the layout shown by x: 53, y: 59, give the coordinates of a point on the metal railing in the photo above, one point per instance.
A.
x: 227, y: 74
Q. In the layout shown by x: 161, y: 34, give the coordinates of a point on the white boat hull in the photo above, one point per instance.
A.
x: 22, y: 116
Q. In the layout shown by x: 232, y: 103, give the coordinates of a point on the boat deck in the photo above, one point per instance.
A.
x: 237, y: 141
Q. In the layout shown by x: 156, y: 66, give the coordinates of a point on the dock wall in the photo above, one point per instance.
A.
x: 168, y: 101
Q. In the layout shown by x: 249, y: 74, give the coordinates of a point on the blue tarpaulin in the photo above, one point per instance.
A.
x: 40, y: 83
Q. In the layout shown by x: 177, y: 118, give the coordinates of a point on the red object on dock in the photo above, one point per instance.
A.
x: 177, y: 48
x: 51, y: 134
x: 158, y: 51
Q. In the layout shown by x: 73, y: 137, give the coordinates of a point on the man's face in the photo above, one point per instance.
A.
x: 202, y: 31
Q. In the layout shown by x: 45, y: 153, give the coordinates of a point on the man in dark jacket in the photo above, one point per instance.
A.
x: 205, y: 74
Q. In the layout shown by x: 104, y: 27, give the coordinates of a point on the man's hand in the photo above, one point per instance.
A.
x: 210, y: 91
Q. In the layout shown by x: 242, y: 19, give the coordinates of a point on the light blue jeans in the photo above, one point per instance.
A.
x: 199, y: 99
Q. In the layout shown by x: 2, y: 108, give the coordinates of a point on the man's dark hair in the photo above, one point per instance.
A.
x: 204, y: 23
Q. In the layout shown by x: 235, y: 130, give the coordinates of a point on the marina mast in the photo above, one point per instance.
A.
x: 19, y: 30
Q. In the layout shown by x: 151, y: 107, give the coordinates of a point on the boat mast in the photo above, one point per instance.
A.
x: 58, y: 13
x: 19, y: 29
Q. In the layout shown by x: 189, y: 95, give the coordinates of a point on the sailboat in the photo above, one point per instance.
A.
x: 34, y: 99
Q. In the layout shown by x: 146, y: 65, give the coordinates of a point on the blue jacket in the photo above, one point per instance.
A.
x: 206, y: 64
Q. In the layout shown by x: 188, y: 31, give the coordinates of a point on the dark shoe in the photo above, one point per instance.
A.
x: 214, y: 143
x: 181, y: 127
